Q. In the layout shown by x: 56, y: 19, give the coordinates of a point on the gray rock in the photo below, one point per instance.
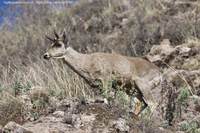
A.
x: 121, y: 125
x: 15, y: 128
x: 73, y: 119
x: 59, y: 114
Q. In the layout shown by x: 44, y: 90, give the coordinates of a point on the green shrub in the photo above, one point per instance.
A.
x: 19, y: 87
x: 189, y: 127
x: 183, y: 95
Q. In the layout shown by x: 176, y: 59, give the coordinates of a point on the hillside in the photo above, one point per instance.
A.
x: 38, y: 95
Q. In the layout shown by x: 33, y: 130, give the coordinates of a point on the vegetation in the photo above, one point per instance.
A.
x: 128, y: 27
x: 190, y: 127
x: 184, y: 94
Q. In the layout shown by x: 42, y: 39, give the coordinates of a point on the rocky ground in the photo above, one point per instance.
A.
x: 75, y: 116
x: 180, y: 66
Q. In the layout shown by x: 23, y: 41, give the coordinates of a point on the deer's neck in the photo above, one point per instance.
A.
x: 75, y: 61
x: 73, y: 57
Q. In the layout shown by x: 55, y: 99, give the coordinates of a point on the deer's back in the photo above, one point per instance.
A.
x: 104, y: 64
x: 143, y: 67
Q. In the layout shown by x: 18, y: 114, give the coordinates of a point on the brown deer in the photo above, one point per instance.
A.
x: 131, y: 73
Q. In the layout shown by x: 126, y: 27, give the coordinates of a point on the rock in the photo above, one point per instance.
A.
x: 47, y: 124
x: 76, y: 121
x: 66, y: 105
x: 59, y: 114
x: 16, y: 128
x: 68, y: 119
x: 101, y: 100
x: 159, y: 53
x: 183, y: 50
x: 73, y: 120
x: 165, y: 48
x: 53, y: 102
x: 88, y: 118
x: 185, y: 56
x: 93, y: 117
x: 124, y: 21
x: 121, y: 125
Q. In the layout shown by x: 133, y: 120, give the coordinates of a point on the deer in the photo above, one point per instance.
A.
x: 135, y: 75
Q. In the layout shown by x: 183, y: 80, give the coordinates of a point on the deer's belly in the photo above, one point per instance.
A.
x: 107, y: 74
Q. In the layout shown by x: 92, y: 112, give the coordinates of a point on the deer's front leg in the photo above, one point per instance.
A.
x: 105, y: 90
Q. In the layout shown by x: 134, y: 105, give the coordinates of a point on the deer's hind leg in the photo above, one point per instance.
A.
x: 137, y: 101
x: 140, y: 104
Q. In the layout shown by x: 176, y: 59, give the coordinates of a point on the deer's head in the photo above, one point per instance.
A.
x: 57, y: 48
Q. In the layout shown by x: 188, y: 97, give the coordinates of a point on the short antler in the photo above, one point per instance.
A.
x: 49, y: 38
x: 57, y: 36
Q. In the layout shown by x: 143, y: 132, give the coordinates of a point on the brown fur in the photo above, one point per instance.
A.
x: 105, y: 66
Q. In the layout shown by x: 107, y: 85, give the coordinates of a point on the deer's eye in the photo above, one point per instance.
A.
x: 57, y: 45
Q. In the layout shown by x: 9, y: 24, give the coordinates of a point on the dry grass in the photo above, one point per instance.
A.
x: 39, y: 83
x: 57, y: 78
x: 10, y: 109
x: 127, y: 27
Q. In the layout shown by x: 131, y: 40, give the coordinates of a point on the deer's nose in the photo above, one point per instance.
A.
x: 46, y: 56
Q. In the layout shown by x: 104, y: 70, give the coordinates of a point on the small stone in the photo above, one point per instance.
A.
x: 68, y: 119
x: 32, y: 119
x: 105, y: 101
x: 73, y: 120
x: 76, y: 121
x: 101, y: 100
x: 59, y: 114
x: 183, y: 50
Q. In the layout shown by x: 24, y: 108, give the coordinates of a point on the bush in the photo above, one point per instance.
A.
x: 11, y: 109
